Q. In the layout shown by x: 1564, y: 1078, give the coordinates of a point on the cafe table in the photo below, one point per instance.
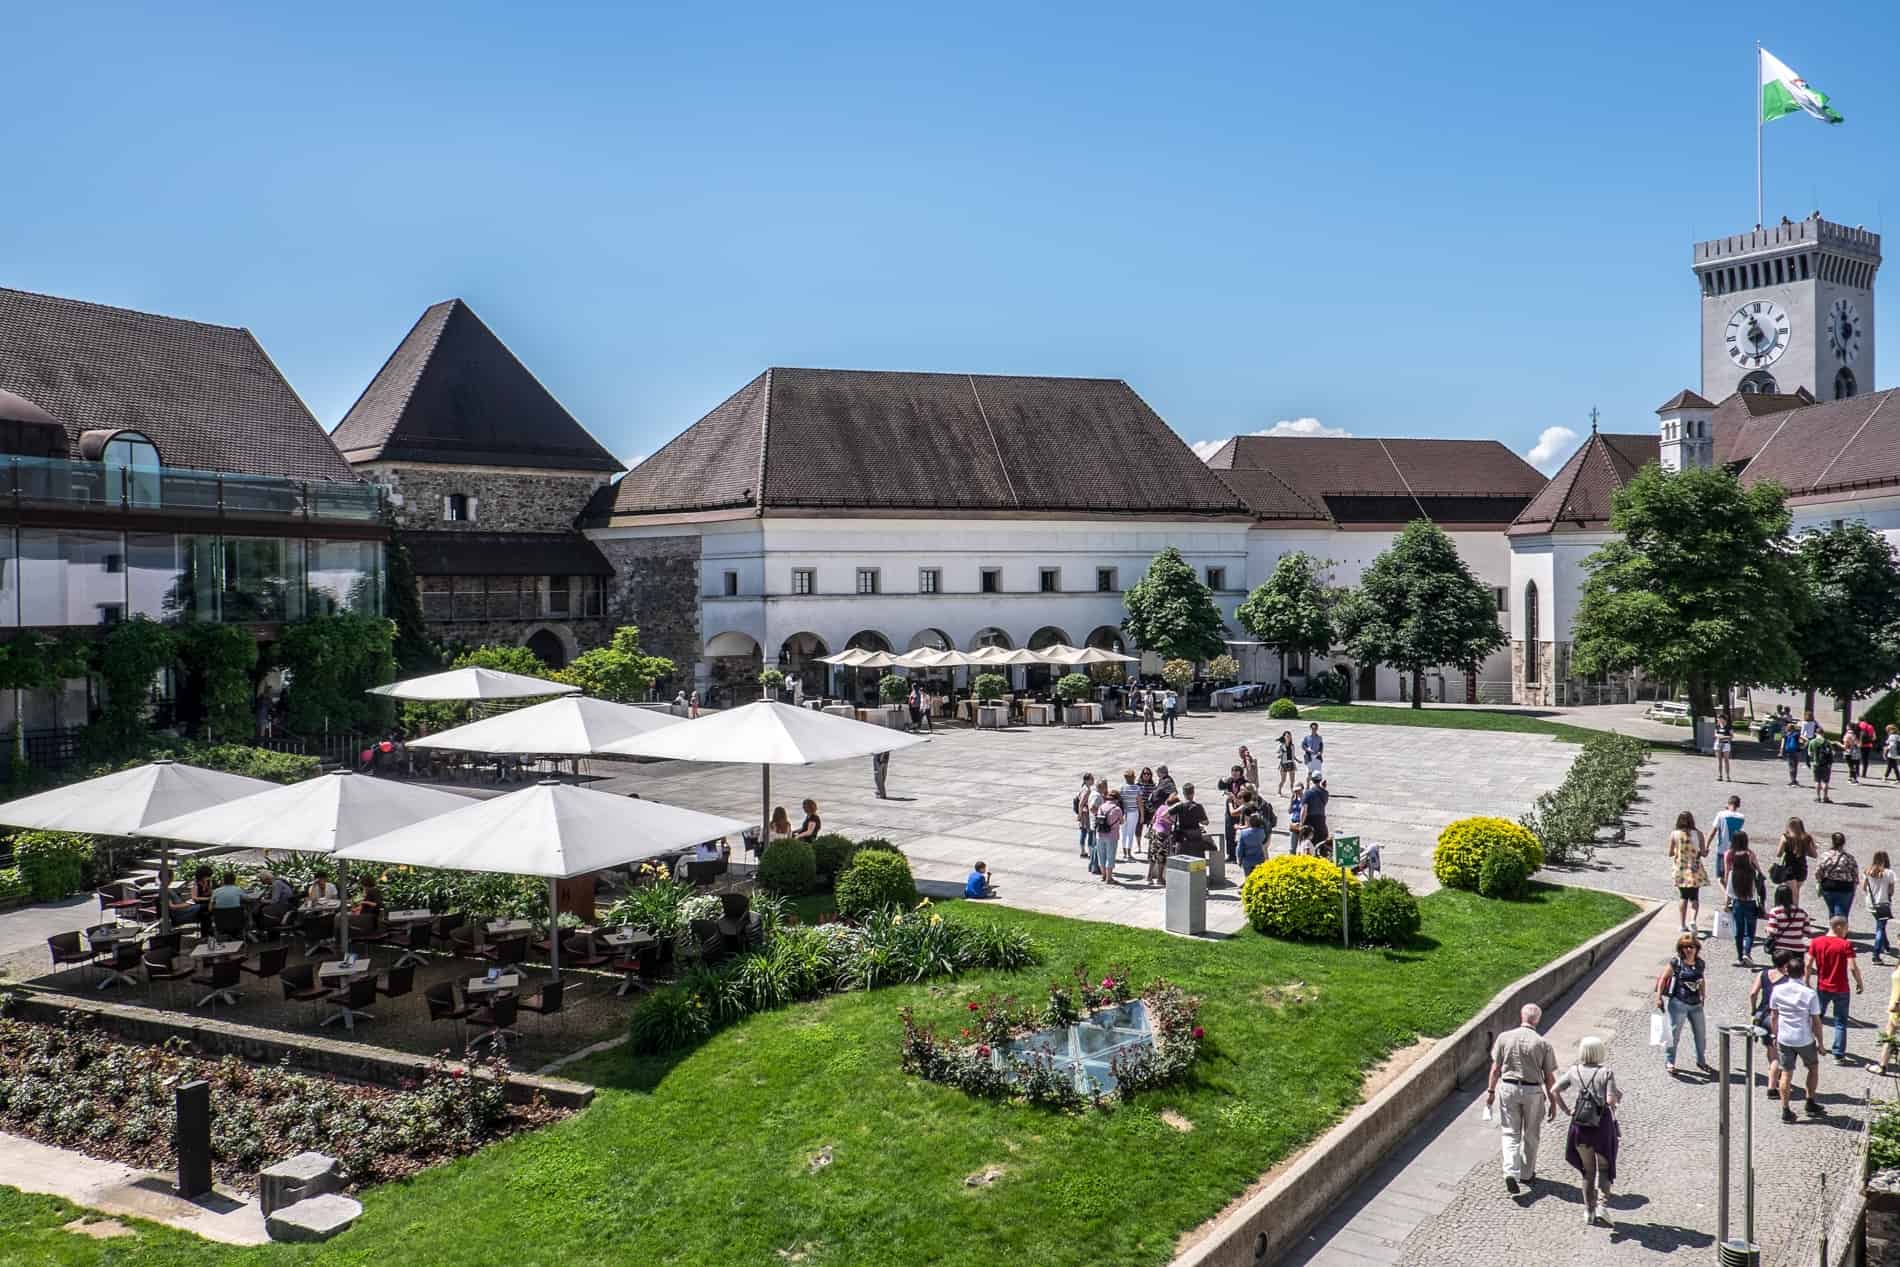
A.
x: 104, y: 937
x: 627, y: 941
x: 210, y: 952
x: 482, y: 987
x: 500, y: 928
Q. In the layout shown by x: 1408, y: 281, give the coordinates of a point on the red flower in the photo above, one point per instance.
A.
x: 983, y: 1049
x: 456, y: 1073
x: 973, y: 1005
x: 965, y: 1031
x: 1199, y: 1033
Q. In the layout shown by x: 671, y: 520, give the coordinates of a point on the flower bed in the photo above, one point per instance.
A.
x: 73, y: 1087
x: 1088, y: 1044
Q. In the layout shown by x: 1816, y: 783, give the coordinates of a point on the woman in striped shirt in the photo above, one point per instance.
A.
x: 1788, y: 925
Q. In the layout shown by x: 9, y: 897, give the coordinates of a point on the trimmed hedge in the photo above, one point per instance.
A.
x: 52, y: 863
x: 1297, y: 896
x: 1505, y: 872
x: 13, y: 884
x: 832, y: 853
x: 1597, y: 789
x: 788, y: 868
x: 1388, y: 912
x: 1283, y: 709
x: 1458, y: 861
x: 876, y: 879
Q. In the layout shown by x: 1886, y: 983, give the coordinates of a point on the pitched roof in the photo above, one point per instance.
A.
x: 1386, y: 481
x: 1269, y: 496
x: 505, y: 554
x: 453, y: 393
x: 1684, y: 399
x: 1579, y: 494
x: 887, y: 440
x: 1741, y: 424
x: 1831, y: 447
x: 208, y: 396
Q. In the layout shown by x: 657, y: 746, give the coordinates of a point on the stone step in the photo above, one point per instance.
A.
x: 315, y: 1218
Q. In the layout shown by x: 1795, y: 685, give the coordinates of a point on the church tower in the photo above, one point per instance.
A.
x: 1787, y: 306
x: 1685, y: 441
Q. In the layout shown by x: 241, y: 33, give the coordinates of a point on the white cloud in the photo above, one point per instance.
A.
x: 1306, y: 427
x: 1552, y: 447
x: 634, y: 461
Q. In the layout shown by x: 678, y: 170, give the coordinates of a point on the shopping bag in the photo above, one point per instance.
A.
x: 1724, y: 925
x: 1658, y: 1030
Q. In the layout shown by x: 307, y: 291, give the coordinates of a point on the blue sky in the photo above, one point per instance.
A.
x: 1398, y: 219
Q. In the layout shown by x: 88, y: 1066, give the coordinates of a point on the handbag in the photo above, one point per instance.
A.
x: 1883, y: 910
x: 1724, y: 924
x: 1778, y: 873
x: 1658, y: 1030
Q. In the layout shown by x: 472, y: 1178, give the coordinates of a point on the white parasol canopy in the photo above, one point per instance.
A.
x: 551, y: 829
x: 767, y: 733
x: 474, y: 682
x: 1060, y: 653
x: 1102, y: 655
x: 849, y: 658
x: 574, y: 726
x: 931, y: 658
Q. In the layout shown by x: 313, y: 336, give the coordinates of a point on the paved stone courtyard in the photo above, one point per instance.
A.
x: 1003, y: 797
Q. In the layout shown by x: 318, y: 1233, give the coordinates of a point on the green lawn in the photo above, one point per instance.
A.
x: 1448, y: 719
x: 705, y: 1159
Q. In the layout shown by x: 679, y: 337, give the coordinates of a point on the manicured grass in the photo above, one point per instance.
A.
x: 1449, y: 719
x: 705, y: 1158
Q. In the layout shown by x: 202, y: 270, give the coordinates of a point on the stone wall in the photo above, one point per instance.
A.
x: 508, y: 499
x: 656, y: 586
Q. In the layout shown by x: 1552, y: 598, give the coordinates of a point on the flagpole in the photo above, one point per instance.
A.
x: 1758, y: 109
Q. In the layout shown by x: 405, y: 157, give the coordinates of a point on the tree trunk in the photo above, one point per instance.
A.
x: 1698, y: 698
x: 1809, y: 706
x: 1847, y: 711
x: 1418, y: 688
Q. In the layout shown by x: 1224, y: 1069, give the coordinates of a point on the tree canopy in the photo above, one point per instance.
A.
x: 332, y: 661
x: 620, y: 671
x: 1291, y: 611
x: 1172, y: 613
x: 1418, y: 606
x: 1848, y: 638
x: 1700, y: 586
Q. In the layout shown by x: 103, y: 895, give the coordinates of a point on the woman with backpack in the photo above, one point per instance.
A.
x: 1682, y: 990
x: 1791, y: 752
x: 1791, y: 858
x: 1594, y: 1134
x: 1746, y: 888
x: 1108, y: 830
x: 1838, y: 875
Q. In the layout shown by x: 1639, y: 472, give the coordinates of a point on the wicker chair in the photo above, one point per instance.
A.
x: 68, y: 949
x: 270, y: 962
x: 398, y: 981
x: 351, y: 1001
x: 444, y: 1006
x: 499, y: 1017
x: 161, y: 968
x: 300, y: 984
x: 222, y: 980
x: 546, y: 1002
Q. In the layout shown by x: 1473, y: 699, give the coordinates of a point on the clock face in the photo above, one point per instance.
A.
x: 1757, y: 334
x: 1843, y: 331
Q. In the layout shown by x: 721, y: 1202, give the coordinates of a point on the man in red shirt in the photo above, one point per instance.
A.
x: 1830, y: 959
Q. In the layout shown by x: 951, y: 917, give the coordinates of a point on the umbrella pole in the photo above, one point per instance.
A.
x: 165, y: 888
x: 554, y: 926
x: 343, y: 907
x: 765, y: 809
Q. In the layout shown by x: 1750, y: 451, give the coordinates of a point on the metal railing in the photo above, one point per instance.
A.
x: 98, y: 486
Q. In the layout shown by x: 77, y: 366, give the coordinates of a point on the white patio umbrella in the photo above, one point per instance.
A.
x: 473, y: 682
x: 573, y: 726
x: 931, y: 658
x: 126, y: 802
x: 849, y: 658
x: 550, y: 829
x: 1102, y: 655
x: 766, y: 733
x: 318, y: 815
x: 1060, y: 653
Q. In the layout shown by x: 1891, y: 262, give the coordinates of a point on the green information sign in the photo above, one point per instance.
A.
x: 1346, y: 850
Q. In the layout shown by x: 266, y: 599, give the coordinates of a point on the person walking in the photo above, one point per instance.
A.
x: 1591, y: 1143
x: 1686, y: 848
x: 1850, y: 749
x: 1525, y: 1066
x: 1892, y: 752
x: 1837, y: 875
x: 1108, y: 828
x: 1130, y: 830
x: 1722, y: 828
x: 1830, y: 960
x: 1796, y: 1010
x: 1084, y: 815
x: 1789, y: 925
x: 1792, y: 753
x: 1821, y: 755
x: 1149, y: 718
x: 880, y: 770
x: 1724, y: 747
x: 1809, y: 727
x: 1745, y: 887
x: 1313, y: 748
x: 1313, y: 811
x: 1287, y: 777
x: 1878, y: 885
x: 1791, y: 857
x: 1681, y: 992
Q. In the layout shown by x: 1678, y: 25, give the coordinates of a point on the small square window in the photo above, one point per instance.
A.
x: 1105, y: 580
x: 1051, y: 580
x: 732, y: 584
x: 1217, y: 578
x: 455, y: 508
x: 992, y: 580
x: 867, y: 580
x: 804, y: 580
x: 1501, y: 594
x: 929, y: 581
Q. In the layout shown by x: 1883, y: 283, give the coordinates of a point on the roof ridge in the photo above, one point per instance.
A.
x: 294, y: 393
x: 1575, y: 467
x: 765, y: 434
x: 136, y: 312
x: 387, y: 360
x: 995, y: 445
x: 1603, y: 451
x: 1849, y: 443
x: 1401, y: 474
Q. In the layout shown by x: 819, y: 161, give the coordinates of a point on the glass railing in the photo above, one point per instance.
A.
x: 96, y: 486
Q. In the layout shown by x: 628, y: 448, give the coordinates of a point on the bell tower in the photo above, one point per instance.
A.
x: 1789, y: 306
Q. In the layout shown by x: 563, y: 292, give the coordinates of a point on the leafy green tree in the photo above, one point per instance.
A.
x: 1418, y: 606
x: 218, y: 661
x: 1848, y: 638
x: 1172, y: 613
x: 620, y: 671
x: 129, y: 660
x: 415, y: 652
x: 1699, y: 586
x: 1291, y: 611
x: 332, y: 661
x: 503, y: 659
x: 1179, y: 674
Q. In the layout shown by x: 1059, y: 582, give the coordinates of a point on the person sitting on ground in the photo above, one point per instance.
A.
x: 320, y: 890
x: 1251, y: 845
x: 978, y: 885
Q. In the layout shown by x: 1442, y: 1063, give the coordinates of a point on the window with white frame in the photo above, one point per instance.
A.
x: 867, y: 580
x: 1105, y: 581
x: 992, y: 580
x: 458, y: 508
x: 1217, y: 578
x: 929, y: 581
x: 804, y: 580
x: 1050, y: 581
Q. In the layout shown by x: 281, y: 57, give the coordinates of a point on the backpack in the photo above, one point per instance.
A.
x: 1590, y: 1106
x: 1836, y: 868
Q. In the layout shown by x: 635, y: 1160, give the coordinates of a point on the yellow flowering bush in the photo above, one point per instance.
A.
x: 1458, y: 861
x: 1297, y: 896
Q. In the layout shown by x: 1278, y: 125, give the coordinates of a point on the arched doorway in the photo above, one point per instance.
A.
x: 733, y: 663
x: 798, y: 659
x: 931, y: 640
x: 990, y: 636
x: 1040, y: 677
x: 1533, y: 652
x: 860, y: 685
x: 548, y: 648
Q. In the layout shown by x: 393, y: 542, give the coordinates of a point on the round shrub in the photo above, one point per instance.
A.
x: 832, y: 853
x: 1458, y: 861
x: 874, y: 880
x: 989, y: 686
x: 877, y: 842
x: 1298, y: 896
x: 1283, y: 709
x: 788, y: 867
x: 1388, y: 912
x: 53, y: 863
x: 892, y: 689
x: 1503, y: 873
x: 1074, y: 688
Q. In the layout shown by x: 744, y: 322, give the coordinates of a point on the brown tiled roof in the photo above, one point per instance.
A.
x: 1579, y: 494
x: 1684, y: 399
x: 1269, y: 496
x: 1834, y: 446
x: 883, y: 440
x: 505, y: 554
x: 206, y: 395
x: 1741, y: 424
x: 1366, y: 480
x: 453, y: 393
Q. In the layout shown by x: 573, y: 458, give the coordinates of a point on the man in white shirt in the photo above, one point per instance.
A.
x: 1722, y: 831
x: 1797, y: 1014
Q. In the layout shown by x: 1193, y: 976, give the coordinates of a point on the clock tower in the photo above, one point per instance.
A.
x: 1789, y: 306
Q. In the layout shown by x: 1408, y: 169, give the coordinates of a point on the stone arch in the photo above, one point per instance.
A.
x: 868, y: 640
x: 1042, y: 676
x: 798, y: 658
x: 733, y: 662
x: 931, y: 640
x: 554, y: 644
x: 990, y: 636
x: 1109, y: 638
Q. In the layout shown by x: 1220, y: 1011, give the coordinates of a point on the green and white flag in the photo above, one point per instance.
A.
x: 1784, y: 92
